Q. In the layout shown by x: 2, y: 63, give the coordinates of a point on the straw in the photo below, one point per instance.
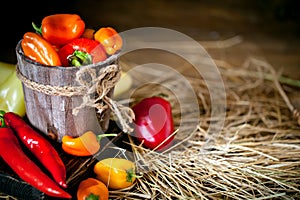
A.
x: 256, y: 156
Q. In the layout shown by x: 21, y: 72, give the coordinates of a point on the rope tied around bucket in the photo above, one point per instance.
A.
x: 102, y: 85
x: 94, y: 90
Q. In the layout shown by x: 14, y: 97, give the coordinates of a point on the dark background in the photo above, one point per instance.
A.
x: 203, y: 20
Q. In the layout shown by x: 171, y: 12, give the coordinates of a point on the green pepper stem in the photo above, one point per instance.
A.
x: 92, y: 197
x: 79, y: 58
x: 2, y: 122
x: 99, y: 137
x: 38, y: 30
x: 131, y: 174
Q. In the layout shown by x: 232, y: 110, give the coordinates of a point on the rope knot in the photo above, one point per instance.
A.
x: 102, y: 86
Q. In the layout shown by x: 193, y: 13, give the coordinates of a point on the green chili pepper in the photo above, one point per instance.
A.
x: 11, y: 91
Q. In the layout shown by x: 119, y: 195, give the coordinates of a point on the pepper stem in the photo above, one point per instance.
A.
x: 131, y: 174
x: 79, y: 58
x: 99, y: 137
x: 38, y: 30
x: 2, y: 122
x: 92, y: 197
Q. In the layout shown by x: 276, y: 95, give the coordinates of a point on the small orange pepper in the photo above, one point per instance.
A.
x: 110, y: 39
x: 38, y: 49
x: 88, y: 33
x: 116, y: 173
x: 85, y: 145
x: 92, y: 189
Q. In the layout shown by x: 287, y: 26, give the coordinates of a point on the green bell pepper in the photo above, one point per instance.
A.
x: 11, y: 91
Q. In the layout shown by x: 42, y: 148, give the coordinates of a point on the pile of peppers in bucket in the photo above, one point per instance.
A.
x: 64, y: 40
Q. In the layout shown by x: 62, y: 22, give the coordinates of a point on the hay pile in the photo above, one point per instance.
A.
x: 255, y: 156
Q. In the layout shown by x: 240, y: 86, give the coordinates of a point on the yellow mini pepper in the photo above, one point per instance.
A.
x: 116, y: 173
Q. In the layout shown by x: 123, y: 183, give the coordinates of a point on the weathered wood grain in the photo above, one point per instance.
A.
x: 52, y: 114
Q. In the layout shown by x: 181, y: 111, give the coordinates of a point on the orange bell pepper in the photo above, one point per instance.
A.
x: 85, y: 145
x: 38, y: 49
x: 60, y: 29
x: 110, y: 39
x: 92, y: 189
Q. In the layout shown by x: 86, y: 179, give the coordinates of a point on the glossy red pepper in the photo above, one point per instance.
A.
x: 12, y: 153
x: 153, y: 123
x: 41, y: 148
x: 81, y: 51
x: 59, y: 29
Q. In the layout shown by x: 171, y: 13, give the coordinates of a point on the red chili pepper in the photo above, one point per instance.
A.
x: 39, y: 146
x: 59, y: 29
x: 154, y: 122
x: 12, y: 154
x: 81, y: 51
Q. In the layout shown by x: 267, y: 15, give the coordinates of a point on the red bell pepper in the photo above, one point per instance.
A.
x: 81, y: 51
x: 153, y: 123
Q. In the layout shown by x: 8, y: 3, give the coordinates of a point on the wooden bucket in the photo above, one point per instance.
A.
x: 52, y: 114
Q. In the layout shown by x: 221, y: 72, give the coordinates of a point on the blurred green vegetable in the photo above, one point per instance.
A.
x: 123, y: 85
x: 11, y: 91
x: 6, y: 69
